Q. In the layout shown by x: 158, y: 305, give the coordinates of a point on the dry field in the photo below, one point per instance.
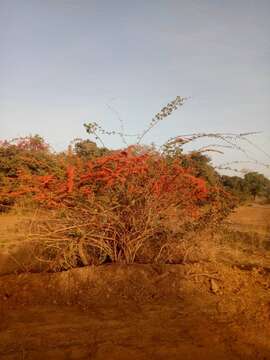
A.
x: 214, y: 306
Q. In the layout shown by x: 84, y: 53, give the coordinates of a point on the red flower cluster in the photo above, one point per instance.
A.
x: 122, y: 174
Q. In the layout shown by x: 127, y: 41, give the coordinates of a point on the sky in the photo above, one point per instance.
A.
x: 68, y: 62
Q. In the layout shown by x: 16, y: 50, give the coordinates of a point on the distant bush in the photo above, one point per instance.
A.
x: 23, y: 158
x: 253, y: 185
x: 88, y: 149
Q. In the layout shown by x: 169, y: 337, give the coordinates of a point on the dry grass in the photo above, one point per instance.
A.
x: 55, y: 241
x: 251, y: 218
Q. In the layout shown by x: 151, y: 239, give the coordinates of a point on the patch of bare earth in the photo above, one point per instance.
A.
x: 215, y: 306
x: 254, y: 217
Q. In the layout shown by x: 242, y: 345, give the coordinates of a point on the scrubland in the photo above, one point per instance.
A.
x: 133, y: 253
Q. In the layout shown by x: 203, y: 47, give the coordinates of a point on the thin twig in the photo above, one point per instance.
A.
x: 211, y: 276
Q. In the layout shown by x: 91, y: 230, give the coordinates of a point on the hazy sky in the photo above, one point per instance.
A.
x: 63, y: 61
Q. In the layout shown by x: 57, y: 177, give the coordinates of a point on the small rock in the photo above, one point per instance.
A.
x: 214, y: 286
x: 6, y: 296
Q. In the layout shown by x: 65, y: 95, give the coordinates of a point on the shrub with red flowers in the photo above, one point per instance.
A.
x: 111, y: 207
x: 119, y: 206
x: 21, y: 161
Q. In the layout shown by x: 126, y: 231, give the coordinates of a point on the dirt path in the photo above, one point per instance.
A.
x: 145, y: 332
x: 158, y: 332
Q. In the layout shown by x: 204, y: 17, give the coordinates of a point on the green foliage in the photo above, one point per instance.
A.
x: 199, y: 162
x: 257, y: 184
x: 235, y: 185
x: 30, y: 154
x: 203, y: 168
x: 251, y: 186
x: 88, y: 149
x: 26, y: 156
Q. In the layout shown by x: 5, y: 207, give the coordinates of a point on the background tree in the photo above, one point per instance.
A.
x: 88, y: 149
x: 256, y: 184
x: 252, y: 185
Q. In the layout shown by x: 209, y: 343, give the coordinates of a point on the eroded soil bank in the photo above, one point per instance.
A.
x: 200, y: 311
